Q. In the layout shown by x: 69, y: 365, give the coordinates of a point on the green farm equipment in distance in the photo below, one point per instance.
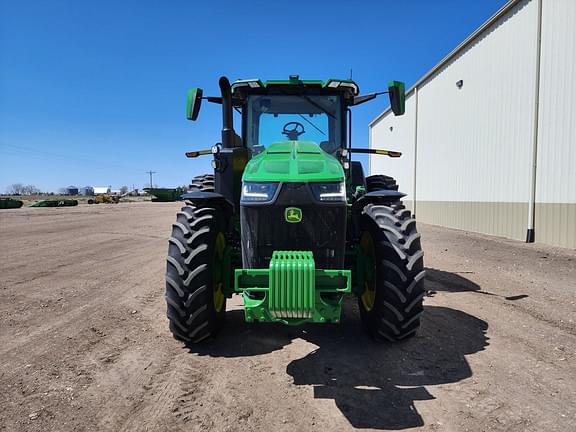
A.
x: 55, y: 203
x: 165, y: 194
x: 10, y: 203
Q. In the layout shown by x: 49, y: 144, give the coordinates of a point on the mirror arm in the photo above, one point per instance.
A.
x: 213, y: 99
x: 389, y: 153
x: 218, y: 100
x: 365, y: 98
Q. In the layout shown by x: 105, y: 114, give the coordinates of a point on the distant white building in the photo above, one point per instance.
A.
x: 102, y: 190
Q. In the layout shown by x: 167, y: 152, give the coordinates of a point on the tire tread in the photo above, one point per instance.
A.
x: 399, y: 267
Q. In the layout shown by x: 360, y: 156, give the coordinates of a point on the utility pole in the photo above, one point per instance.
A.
x: 150, y: 172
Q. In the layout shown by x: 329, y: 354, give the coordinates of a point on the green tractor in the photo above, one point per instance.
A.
x: 289, y: 222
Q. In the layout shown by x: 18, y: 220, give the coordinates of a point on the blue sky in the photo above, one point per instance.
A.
x: 93, y: 93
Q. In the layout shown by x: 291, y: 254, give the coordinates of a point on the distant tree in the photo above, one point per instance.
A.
x: 123, y: 189
x: 30, y: 190
x: 15, y: 189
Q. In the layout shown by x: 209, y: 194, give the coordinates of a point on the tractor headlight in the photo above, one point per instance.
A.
x: 329, y: 191
x: 258, y: 192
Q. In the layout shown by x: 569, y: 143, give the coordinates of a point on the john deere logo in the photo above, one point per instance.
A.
x: 293, y: 214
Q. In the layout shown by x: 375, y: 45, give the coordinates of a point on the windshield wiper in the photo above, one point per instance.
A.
x: 311, y: 101
x: 316, y: 105
x: 313, y: 125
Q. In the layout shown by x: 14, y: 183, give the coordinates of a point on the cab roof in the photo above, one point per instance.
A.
x: 347, y: 86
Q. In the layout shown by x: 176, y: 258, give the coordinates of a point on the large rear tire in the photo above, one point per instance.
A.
x: 204, y: 183
x: 197, y: 266
x: 390, y: 273
x: 379, y: 182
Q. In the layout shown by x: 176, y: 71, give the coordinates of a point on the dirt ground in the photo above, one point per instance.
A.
x: 84, y: 342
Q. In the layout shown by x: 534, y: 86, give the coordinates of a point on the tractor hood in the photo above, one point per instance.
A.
x: 294, y: 161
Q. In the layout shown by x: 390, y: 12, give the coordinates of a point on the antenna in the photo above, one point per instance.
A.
x: 350, y: 74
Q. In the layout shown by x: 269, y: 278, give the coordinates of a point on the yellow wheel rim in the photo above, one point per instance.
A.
x: 218, y: 286
x: 368, y: 296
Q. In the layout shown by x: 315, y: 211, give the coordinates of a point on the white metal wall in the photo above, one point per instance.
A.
x: 474, y: 145
x: 556, y: 168
x: 396, y: 133
x: 481, y: 135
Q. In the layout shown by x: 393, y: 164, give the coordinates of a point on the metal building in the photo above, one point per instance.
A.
x: 489, y: 134
x: 71, y: 190
x: 87, y: 190
x: 102, y: 190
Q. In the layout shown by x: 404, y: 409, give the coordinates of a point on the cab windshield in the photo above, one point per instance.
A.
x: 273, y: 118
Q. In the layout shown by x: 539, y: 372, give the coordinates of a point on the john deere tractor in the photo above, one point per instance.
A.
x: 288, y: 221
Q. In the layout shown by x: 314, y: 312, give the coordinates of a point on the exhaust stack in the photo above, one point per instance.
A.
x: 228, y: 134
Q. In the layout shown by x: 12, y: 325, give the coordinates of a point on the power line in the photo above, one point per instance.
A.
x: 150, y: 172
x: 19, y: 150
x: 62, y: 162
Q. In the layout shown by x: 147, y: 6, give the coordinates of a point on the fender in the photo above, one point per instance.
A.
x: 209, y: 198
x: 383, y: 196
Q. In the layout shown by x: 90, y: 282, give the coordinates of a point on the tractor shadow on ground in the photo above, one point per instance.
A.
x: 374, y: 385
x: 438, y: 280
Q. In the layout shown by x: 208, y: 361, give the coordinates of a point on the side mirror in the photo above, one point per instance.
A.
x: 397, y: 97
x: 193, y: 103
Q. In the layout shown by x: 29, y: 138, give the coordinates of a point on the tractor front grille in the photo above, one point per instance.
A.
x: 322, y: 229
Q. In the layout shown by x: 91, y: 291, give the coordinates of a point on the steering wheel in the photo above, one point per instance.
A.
x: 293, y: 130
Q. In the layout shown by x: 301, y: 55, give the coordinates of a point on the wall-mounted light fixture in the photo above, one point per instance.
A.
x: 459, y: 84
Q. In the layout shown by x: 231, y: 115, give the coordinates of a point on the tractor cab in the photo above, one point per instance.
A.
x: 285, y: 111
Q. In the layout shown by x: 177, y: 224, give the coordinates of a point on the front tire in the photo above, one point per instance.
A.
x: 390, y: 273
x: 197, y: 266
